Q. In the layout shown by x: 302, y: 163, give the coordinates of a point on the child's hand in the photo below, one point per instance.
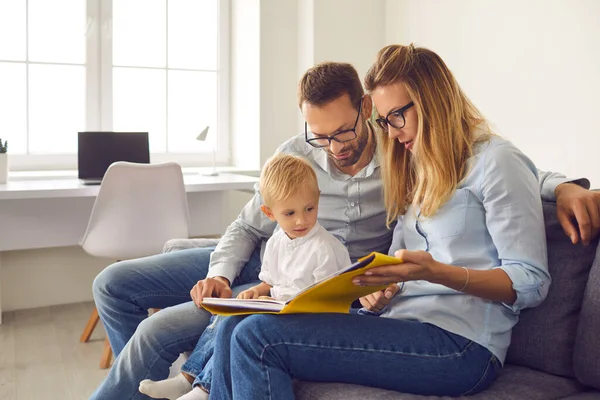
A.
x: 376, y: 302
x: 248, y: 294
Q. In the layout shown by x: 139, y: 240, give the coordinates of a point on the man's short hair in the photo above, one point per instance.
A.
x: 328, y: 81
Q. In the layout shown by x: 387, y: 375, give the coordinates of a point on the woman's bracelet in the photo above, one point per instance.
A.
x: 466, y: 282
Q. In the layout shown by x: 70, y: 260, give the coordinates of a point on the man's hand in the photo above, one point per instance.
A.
x: 376, y: 302
x: 576, y: 203
x: 249, y: 294
x: 210, y: 287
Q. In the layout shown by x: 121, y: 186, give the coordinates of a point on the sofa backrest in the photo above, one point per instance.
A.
x: 544, y: 337
x: 587, y: 345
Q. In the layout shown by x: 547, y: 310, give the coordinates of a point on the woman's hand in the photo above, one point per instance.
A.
x: 249, y: 294
x: 493, y: 284
x: 417, y: 265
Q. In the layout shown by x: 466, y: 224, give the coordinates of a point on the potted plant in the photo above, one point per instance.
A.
x: 3, y: 161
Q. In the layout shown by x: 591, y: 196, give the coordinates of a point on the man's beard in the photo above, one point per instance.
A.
x: 356, y: 148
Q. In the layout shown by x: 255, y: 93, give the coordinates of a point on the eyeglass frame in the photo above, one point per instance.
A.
x: 400, y: 110
x: 333, y: 137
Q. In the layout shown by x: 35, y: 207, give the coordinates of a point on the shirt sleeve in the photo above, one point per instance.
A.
x: 397, y: 237
x: 550, y: 180
x: 515, y: 221
x: 329, y: 260
x: 240, y: 240
x: 268, y: 262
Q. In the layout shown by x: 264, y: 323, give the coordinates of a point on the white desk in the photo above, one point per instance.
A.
x: 71, y: 188
x: 48, y: 213
x: 54, y: 212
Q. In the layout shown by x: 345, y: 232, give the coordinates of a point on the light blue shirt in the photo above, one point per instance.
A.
x: 493, y: 220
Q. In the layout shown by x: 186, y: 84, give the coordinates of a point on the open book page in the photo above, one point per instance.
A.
x: 255, y: 304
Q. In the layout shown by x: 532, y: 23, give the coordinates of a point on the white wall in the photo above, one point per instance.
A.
x: 34, y: 278
x: 278, y: 74
x: 349, y: 31
x: 532, y: 67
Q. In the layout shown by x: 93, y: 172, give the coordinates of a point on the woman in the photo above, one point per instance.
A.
x: 470, y: 231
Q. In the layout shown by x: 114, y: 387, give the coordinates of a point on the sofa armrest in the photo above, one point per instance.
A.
x: 184, y: 244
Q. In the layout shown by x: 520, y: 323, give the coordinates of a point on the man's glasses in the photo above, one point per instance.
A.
x: 395, y: 118
x: 340, y: 137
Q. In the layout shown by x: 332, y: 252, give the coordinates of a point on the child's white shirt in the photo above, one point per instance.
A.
x: 290, y: 266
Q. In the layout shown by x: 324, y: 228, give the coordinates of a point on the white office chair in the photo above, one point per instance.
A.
x: 138, y: 209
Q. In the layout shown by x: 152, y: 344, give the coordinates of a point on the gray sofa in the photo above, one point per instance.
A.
x: 555, y: 349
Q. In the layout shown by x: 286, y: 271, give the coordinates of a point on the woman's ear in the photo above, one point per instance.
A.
x: 267, y: 212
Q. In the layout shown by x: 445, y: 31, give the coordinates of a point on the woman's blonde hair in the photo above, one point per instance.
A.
x: 285, y: 175
x: 445, y: 134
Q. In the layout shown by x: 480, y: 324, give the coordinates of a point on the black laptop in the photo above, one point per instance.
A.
x: 98, y: 150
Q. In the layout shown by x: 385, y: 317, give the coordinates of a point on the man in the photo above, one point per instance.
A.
x: 340, y: 144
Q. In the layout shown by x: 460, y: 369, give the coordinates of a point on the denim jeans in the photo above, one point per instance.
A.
x: 257, y: 357
x: 145, y: 347
x: 200, y: 362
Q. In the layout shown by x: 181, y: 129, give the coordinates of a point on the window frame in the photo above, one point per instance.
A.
x: 98, y: 94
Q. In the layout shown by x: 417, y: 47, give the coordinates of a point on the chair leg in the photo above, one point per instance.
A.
x: 106, y: 355
x: 90, y: 326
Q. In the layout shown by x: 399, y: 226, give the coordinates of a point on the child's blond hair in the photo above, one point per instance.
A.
x: 285, y: 175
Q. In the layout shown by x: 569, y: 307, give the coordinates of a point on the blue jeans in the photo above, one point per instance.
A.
x: 257, y: 357
x: 145, y: 347
x: 200, y: 362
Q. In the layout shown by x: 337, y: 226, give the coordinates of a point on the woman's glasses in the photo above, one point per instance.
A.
x: 395, y: 118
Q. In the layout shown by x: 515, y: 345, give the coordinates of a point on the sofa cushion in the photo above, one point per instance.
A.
x: 514, y: 383
x: 544, y: 337
x: 587, y: 346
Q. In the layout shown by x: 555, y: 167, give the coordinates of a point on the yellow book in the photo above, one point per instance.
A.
x: 333, y: 294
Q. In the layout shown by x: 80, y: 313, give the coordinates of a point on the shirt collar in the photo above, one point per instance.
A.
x: 301, y: 240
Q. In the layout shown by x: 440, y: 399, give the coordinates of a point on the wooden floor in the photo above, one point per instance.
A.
x: 41, y: 357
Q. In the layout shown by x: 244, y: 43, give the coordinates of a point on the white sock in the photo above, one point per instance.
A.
x: 171, y: 388
x: 195, y: 394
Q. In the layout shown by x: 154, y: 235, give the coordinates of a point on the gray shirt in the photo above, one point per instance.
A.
x: 350, y: 207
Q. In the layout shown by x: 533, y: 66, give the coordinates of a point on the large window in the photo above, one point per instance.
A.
x: 159, y: 66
